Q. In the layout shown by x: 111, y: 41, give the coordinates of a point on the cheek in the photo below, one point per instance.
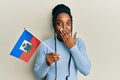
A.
x: 69, y: 29
x: 58, y: 29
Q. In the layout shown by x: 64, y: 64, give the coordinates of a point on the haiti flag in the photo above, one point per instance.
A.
x: 25, y: 46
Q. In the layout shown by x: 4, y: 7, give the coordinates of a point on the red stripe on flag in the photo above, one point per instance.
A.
x: 26, y: 56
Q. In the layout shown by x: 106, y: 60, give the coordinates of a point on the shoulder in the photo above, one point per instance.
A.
x: 48, y: 42
x: 80, y: 42
x: 45, y: 44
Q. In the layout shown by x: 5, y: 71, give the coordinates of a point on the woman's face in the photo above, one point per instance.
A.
x: 63, y: 21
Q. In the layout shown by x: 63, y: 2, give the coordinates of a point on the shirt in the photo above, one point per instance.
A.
x: 79, y: 60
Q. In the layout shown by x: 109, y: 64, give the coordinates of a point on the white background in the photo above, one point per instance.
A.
x: 97, y: 22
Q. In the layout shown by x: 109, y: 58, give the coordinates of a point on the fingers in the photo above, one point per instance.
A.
x: 55, y: 56
x: 64, y: 34
x: 74, y: 37
x: 52, y: 57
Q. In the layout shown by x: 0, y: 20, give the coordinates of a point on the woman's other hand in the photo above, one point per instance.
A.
x: 51, y: 58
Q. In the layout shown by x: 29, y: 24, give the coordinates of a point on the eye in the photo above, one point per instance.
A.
x: 69, y: 23
x: 59, y: 23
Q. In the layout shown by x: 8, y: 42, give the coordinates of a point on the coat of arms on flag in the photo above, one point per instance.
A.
x: 25, y: 46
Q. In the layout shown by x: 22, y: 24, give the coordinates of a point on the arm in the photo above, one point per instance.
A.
x: 41, y: 68
x: 78, y: 52
x: 80, y: 57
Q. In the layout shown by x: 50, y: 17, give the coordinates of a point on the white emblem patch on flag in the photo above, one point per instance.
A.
x: 26, y: 46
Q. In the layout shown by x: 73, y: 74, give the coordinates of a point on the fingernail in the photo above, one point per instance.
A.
x: 59, y: 56
x: 61, y: 29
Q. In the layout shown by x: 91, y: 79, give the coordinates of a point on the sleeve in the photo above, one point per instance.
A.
x: 80, y: 57
x: 41, y: 68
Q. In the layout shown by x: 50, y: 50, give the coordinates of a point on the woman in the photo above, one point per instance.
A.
x: 70, y: 53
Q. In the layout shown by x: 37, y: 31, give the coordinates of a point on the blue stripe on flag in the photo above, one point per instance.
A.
x: 25, y: 36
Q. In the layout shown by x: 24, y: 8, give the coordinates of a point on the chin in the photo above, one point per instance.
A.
x: 60, y: 38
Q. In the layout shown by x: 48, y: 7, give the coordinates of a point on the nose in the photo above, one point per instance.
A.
x: 64, y: 26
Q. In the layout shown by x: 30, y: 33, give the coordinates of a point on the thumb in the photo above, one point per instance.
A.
x: 74, y: 37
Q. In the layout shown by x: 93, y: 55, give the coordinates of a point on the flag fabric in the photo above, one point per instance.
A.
x: 25, y: 46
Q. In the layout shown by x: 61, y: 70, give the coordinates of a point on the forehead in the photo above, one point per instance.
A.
x: 63, y: 16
